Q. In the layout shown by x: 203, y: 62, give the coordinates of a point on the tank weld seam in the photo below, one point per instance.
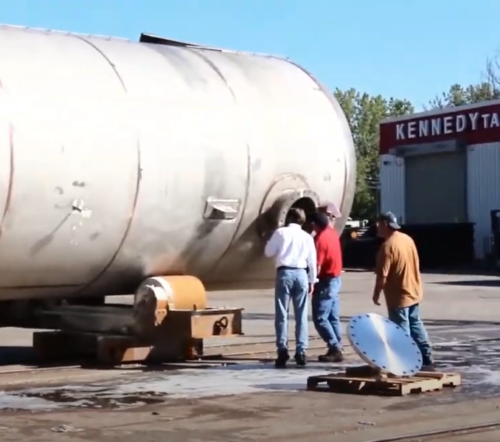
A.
x: 120, y: 79
x: 216, y: 70
x: 127, y: 228
x: 10, y: 186
x: 248, y: 154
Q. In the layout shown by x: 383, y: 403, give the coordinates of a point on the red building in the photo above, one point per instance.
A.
x: 443, y: 166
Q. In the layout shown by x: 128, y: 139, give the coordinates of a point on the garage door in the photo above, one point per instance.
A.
x: 435, y: 188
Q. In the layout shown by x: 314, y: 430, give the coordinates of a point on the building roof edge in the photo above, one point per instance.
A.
x: 447, y: 110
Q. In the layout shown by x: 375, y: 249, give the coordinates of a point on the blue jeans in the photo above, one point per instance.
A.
x: 408, y: 318
x: 291, y: 285
x: 326, y: 312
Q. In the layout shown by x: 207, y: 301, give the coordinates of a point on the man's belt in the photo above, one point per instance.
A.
x: 290, y: 268
x: 328, y: 277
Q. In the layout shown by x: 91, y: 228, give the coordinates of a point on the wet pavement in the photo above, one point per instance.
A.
x: 253, y: 401
x: 472, y: 350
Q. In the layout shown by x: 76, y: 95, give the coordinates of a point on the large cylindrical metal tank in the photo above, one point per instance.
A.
x: 121, y: 160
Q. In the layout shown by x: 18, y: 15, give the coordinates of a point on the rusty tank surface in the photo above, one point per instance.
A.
x: 123, y: 160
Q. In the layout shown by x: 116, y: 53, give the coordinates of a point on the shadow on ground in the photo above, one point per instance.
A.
x: 457, y: 323
x: 346, y: 319
x: 473, y: 271
x: 471, y: 283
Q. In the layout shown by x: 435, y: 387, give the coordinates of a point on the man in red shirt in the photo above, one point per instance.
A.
x: 325, y: 297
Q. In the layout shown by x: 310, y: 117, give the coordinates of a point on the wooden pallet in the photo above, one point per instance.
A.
x: 352, y: 381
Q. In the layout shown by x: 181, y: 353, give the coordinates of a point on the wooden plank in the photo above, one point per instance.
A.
x: 361, y: 370
x: 420, y: 386
x: 451, y: 379
x: 400, y: 386
x: 112, y: 350
x: 93, y: 335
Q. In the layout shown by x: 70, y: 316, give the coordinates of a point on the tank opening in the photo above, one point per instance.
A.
x: 306, y: 204
x: 276, y: 216
x: 309, y: 208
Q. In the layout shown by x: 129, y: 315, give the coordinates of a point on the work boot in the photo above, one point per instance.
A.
x: 282, y: 359
x: 300, y: 359
x: 428, y: 367
x: 332, y: 355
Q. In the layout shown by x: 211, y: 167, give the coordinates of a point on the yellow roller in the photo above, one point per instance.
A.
x: 174, y: 292
x: 158, y: 295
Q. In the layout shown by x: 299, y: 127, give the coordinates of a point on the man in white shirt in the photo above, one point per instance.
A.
x: 295, y: 255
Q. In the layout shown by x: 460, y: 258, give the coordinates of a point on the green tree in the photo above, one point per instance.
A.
x: 364, y: 114
x: 485, y: 90
x: 459, y: 95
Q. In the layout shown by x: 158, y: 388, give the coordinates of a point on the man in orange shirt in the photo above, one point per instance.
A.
x: 398, y: 276
x: 325, y: 297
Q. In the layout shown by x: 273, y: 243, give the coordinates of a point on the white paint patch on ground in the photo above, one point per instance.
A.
x: 481, y: 376
x: 137, y: 390
x: 225, y: 381
x: 140, y: 389
x: 13, y: 402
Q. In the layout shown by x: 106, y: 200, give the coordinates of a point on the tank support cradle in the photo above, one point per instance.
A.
x: 167, y: 323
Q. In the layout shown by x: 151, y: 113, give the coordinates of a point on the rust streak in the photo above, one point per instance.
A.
x: 11, y: 180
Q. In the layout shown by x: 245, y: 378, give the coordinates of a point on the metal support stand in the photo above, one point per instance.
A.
x: 158, y: 328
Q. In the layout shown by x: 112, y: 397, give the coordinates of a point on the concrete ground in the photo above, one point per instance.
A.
x: 254, y: 402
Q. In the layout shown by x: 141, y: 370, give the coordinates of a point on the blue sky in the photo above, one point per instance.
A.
x: 407, y: 49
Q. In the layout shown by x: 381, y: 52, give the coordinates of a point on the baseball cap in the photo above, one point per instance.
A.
x: 390, y: 219
x: 330, y: 209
